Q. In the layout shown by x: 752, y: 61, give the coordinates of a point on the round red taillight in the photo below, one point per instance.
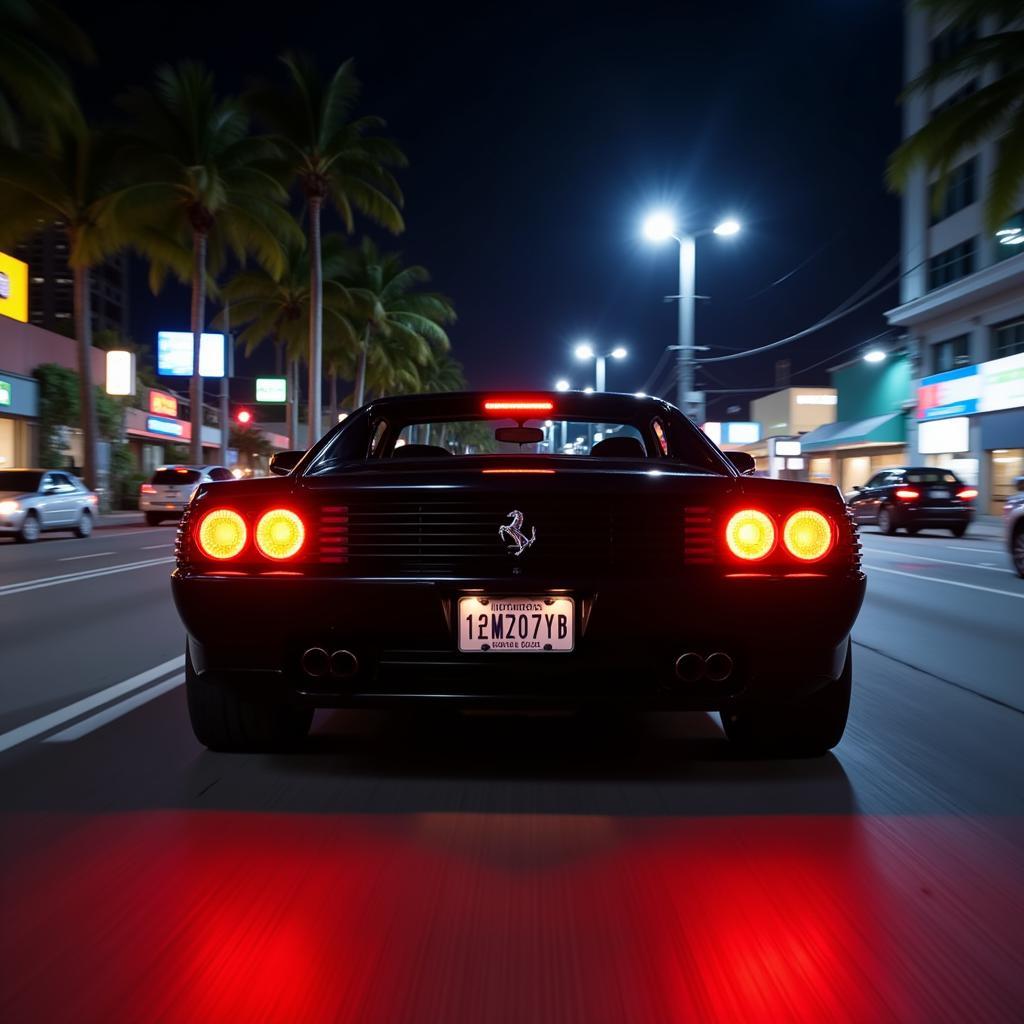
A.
x: 222, y: 534
x: 808, y: 535
x: 750, y: 535
x: 280, y: 534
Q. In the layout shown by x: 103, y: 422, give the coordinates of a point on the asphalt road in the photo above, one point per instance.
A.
x: 496, y: 869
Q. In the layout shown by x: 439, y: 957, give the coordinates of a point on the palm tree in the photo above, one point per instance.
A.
x: 400, y: 326
x: 279, y: 309
x: 336, y: 160
x: 207, y: 187
x: 996, y: 109
x: 34, y: 87
x: 71, y: 179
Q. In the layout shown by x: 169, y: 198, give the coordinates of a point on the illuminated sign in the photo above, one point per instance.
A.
x: 120, y: 372
x: 5, y: 392
x: 944, y: 437
x: 156, y: 425
x: 174, y: 354
x: 787, y: 448
x: 163, y: 405
x: 986, y: 387
x: 816, y: 399
x: 733, y: 432
x: 271, y: 389
x: 13, y: 288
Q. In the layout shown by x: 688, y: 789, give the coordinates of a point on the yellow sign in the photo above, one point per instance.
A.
x: 13, y: 288
x: 163, y: 405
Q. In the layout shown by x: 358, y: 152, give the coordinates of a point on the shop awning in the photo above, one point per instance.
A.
x: 887, y: 429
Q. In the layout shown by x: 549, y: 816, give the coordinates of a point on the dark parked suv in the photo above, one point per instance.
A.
x: 1013, y: 517
x: 916, y: 498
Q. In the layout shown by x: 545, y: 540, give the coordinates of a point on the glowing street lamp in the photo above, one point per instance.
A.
x: 584, y: 350
x: 659, y: 226
x: 562, y: 385
x: 875, y: 355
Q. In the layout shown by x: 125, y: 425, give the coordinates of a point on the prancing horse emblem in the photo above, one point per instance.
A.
x: 512, y: 533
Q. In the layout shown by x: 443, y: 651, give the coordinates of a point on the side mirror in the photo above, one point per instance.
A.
x: 858, y: 488
x: 743, y: 461
x: 50, y: 489
x: 282, y: 463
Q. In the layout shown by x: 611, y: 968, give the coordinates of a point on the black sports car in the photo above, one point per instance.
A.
x: 914, y: 498
x: 513, y: 551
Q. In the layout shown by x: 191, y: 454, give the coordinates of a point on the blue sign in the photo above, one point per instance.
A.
x: 953, y: 393
x: 172, y: 428
x: 174, y: 354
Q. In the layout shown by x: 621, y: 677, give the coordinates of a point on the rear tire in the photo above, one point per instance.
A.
x: 152, y: 519
x: 30, y: 529
x: 958, y: 530
x: 808, y: 727
x: 84, y: 525
x: 913, y: 531
x: 886, y: 521
x: 223, y: 720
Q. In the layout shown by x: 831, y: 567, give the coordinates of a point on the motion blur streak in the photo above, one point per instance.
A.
x: 185, y: 916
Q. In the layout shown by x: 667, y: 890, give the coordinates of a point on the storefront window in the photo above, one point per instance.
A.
x: 1007, y: 465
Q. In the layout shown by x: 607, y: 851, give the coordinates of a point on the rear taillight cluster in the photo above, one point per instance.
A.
x: 223, y: 534
x: 805, y: 535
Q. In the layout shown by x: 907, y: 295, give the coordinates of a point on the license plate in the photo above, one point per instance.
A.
x: 516, y: 623
x: 938, y: 492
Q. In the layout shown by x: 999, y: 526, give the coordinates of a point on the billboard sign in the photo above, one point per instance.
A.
x: 735, y: 432
x: 174, y: 354
x: 13, y: 288
x: 5, y: 392
x: 271, y: 389
x: 985, y: 387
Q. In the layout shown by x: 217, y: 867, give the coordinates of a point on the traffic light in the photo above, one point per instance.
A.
x: 243, y: 416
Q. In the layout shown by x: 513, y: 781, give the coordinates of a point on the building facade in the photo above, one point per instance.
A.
x: 962, y: 291
x: 51, y: 295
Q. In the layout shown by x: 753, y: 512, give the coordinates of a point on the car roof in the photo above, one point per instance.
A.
x: 185, y: 465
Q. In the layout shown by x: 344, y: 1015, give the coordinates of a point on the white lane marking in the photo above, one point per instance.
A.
x: 40, y: 725
x: 115, y: 711
x: 75, y: 558
x: 951, y: 583
x: 75, y: 577
x: 152, y: 547
x: 123, y: 533
x: 908, y: 556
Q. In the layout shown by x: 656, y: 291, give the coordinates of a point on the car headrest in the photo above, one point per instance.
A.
x: 419, y: 451
x: 619, y: 448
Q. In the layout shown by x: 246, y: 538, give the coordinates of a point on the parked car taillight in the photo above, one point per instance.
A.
x: 147, y: 489
x: 967, y: 493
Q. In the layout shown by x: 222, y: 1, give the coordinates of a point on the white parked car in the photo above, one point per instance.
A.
x: 170, y: 488
x: 33, y: 500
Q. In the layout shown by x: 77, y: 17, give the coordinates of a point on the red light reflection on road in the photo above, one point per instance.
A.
x: 509, y: 918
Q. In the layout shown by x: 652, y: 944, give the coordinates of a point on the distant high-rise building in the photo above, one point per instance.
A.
x: 51, y: 296
x: 962, y: 285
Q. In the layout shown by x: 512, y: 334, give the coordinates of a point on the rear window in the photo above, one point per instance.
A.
x: 176, y: 476
x: 931, y: 476
x: 19, y: 480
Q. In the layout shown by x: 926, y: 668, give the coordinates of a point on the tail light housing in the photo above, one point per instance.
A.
x: 147, y: 489
x: 750, y: 535
x: 967, y: 493
x: 280, y: 534
x: 222, y: 534
x: 907, y: 494
x: 808, y: 535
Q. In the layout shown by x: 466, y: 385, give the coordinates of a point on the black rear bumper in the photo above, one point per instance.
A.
x: 785, y: 635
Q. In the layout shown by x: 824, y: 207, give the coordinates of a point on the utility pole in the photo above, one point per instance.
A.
x: 229, y: 369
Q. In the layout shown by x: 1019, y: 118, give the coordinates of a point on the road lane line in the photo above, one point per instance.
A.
x: 95, y: 554
x: 907, y: 556
x: 34, y: 728
x: 115, y: 711
x: 74, y: 577
x: 951, y: 583
x: 150, y: 547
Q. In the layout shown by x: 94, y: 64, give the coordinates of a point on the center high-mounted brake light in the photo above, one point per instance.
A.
x: 907, y: 495
x: 513, y: 405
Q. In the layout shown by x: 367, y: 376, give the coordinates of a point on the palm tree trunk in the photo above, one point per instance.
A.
x: 293, y: 403
x: 86, y: 398
x: 195, y: 392
x: 333, y: 397
x: 361, y: 369
x: 316, y: 318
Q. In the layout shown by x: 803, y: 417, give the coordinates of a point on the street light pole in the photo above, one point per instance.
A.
x: 687, y: 399
x: 599, y: 373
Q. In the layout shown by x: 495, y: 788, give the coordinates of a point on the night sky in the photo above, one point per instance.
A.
x: 538, y: 136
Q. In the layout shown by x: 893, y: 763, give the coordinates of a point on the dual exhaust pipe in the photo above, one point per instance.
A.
x: 692, y: 667
x: 316, y: 662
